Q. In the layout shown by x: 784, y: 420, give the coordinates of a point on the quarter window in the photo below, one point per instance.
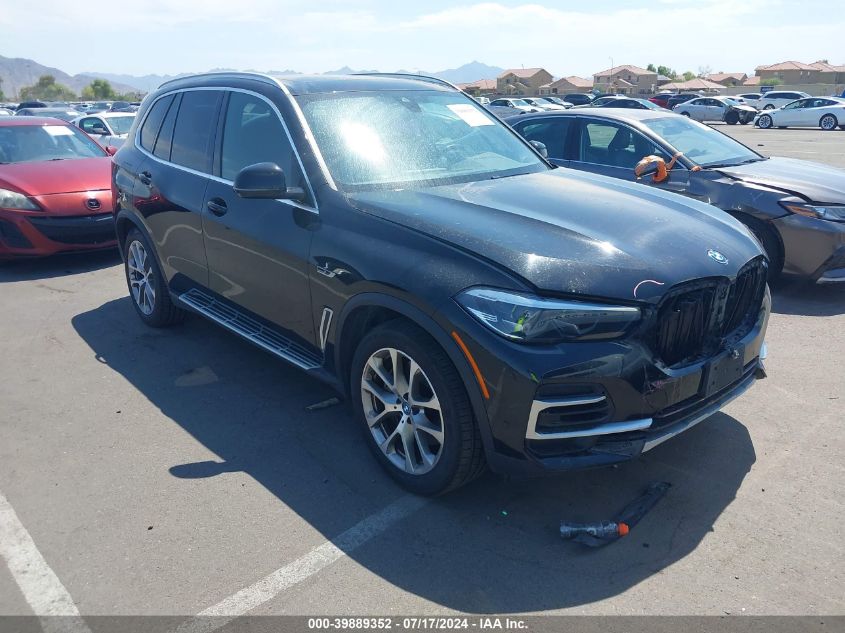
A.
x: 165, y: 136
x: 152, y: 124
x: 195, y: 124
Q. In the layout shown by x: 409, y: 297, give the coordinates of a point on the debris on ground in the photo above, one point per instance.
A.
x: 601, y: 533
x: 325, y: 404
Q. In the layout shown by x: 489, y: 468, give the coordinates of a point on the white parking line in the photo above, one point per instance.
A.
x: 40, y: 586
x: 293, y: 573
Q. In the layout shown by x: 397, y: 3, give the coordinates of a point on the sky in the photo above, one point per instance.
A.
x: 566, y: 38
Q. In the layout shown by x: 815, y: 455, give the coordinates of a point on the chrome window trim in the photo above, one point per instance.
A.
x: 309, y: 135
x: 136, y: 141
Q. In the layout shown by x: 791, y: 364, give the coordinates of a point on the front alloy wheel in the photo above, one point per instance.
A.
x: 141, y: 277
x: 764, y: 122
x: 402, y: 411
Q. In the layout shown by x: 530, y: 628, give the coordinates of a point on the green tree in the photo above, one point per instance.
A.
x: 99, y: 89
x: 667, y: 72
x: 773, y: 81
x: 688, y: 75
x: 2, y: 96
x: 651, y: 68
x: 47, y: 89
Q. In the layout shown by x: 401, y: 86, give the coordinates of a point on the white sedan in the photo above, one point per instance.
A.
x: 107, y: 128
x: 828, y: 113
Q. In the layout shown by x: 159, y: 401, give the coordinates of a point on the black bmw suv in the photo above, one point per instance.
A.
x: 477, y: 305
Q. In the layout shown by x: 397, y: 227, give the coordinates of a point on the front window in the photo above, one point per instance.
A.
x: 406, y: 138
x: 121, y: 124
x: 32, y: 143
x: 701, y: 144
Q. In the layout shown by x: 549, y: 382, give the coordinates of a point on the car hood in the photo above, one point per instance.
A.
x: 574, y: 232
x: 43, y: 178
x: 813, y: 181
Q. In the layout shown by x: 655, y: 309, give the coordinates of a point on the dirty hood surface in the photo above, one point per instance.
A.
x: 574, y: 232
x: 813, y: 181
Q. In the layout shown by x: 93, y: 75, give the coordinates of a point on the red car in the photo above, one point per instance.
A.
x: 662, y: 100
x: 55, y: 189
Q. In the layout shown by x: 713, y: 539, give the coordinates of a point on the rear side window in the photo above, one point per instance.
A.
x: 253, y: 134
x: 550, y: 132
x: 195, y: 125
x: 165, y: 136
x: 152, y: 124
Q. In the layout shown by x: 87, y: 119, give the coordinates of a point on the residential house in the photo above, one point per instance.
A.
x: 482, y: 87
x: 567, y: 85
x: 627, y: 79
x: 794, y: 73
x: 522, y: 81
x: 727, y: 79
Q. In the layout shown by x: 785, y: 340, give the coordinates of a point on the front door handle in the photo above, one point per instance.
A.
x: 145, y: 177
x: 217, y: 206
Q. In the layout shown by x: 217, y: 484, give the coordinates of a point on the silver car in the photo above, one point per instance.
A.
x: 716, y: 109
x: 107, y: 128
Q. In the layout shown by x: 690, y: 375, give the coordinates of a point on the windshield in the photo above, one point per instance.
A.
x: 120, y: 124
x: 395, y: 138
x: 701, y: 144
x: 31, y: 143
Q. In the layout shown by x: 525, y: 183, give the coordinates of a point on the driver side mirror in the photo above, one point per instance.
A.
x: 652, y: 165
x: 265, y: 181
x: 100, y: 131
x: 540, y: 147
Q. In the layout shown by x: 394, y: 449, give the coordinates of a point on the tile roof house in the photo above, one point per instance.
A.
x: 727, y: 79
x: 522, y: 81
x: 567, y: 85
x: 793, y: 73
x: 480, y: 87
x: 626, y: 79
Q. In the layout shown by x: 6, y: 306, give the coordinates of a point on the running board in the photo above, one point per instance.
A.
x: 250, y: 329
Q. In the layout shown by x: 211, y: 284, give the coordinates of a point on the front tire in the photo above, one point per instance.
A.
x: 147, y: 288
x: 771, y: 244
x: 828, y: 122
x: 686, y: 114
x: 414, y: 410
x: 732, y: 118
x: 765, y: 122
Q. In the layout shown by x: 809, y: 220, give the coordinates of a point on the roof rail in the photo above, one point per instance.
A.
x: 217, y: 73
x: 428, y: 78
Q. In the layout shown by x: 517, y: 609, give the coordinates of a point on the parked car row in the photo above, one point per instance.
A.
x: 589, y: 312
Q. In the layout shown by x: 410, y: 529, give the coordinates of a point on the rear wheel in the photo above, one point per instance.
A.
x: 764, y: 122
x: 828, y: 122
x: 147, y: 287
x: 414, y: 410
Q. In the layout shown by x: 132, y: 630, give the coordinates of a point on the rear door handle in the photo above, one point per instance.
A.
x: 217, y: 206
x: 145, y: 177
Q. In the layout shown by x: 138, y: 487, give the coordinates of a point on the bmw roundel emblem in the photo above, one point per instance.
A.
x: 717, y: 257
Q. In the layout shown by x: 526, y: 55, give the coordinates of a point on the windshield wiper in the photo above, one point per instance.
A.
x: 734, y: 164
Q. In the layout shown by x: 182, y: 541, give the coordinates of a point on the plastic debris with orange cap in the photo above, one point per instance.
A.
x: 602, y: 533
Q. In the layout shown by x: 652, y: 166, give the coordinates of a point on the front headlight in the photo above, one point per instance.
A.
x: 532, y: 319
x: 14, y: 200
x: 835, y: 212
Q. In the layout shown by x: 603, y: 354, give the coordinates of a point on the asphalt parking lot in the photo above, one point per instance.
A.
x: 177, y: 472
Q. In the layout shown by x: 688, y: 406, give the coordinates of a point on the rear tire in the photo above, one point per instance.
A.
x: 828, y: 122
x: 398, y: 374
x: 147, y: 288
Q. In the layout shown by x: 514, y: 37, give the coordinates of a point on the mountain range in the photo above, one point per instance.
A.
x: 17, y: 73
